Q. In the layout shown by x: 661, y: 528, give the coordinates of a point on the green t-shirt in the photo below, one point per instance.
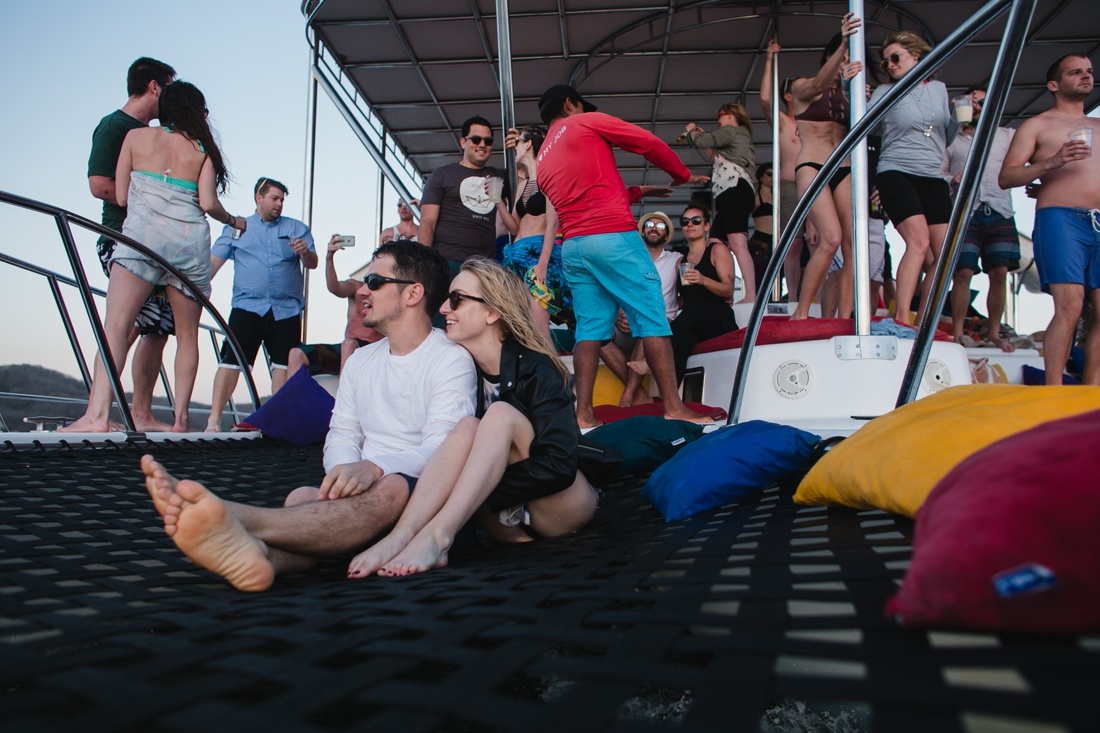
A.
x: 106, y: 147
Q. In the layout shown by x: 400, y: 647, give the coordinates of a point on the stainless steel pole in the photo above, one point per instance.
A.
x: 310, y: 169
x: 861, y: 267
x: 777, y: 289
x: 507, y: 102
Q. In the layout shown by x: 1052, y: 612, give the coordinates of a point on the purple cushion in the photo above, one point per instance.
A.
x: 298, y: 413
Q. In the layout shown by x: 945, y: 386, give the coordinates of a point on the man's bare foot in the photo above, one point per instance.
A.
x: 207, y: 533
x: 423, y: 553
x: 640, y: 367
x: 149, y: 424
x: 374, y: 557
x: 626, y: 399
x: 1001, y: 344
x: 688, y: 415
x: 160, y: 484
x: 86, y: 425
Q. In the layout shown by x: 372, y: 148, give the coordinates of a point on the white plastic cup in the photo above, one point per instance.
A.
x: 496, y: 188
x: 1084, y: 134
x: 964, y: 110
x: 684, y: 267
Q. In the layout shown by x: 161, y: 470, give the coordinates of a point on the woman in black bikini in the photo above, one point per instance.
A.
x: 760, y: 246
x: 821, y: 111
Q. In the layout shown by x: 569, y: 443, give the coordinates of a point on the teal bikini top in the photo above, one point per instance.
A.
x: 189, y: 185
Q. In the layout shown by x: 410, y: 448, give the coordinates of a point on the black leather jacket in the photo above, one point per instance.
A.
x: 530, y: 383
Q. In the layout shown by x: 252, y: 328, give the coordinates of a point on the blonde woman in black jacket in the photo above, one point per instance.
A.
x: 514, y: 466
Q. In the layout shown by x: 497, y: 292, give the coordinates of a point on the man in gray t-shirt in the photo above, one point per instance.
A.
x: 457, y: 215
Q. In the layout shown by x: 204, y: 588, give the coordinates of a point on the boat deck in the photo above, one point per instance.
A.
x: 631, y: 625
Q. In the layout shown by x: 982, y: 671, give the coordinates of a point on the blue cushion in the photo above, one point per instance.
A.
x: 298, y: 413
x: 726, y: 465
x: 1038, y: 377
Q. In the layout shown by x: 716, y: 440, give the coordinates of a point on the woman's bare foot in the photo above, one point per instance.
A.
x: 208, y: 534
x: 640, y: 367
x: 370, y: 560
x: 423, y: 553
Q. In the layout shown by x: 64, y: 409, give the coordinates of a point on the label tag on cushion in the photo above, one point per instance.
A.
x: 1023, y: 580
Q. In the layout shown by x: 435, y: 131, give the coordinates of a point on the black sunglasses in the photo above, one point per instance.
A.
x: 478, y: 139
x: 894, y: 58
x: 375, y: 281
x: 695, y: 221
x: 653, y: 224
x: 455, y: 298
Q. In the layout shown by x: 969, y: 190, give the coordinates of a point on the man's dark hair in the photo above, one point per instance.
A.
x: 976, y: 88
x: 701, y: 206
x: 145, y: 70
x: 264, y: 183
x: 475, y: 120
x: 1054, y: 73
x: 425, y: 265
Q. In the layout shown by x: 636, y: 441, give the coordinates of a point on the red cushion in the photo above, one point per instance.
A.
x: 1008, y: 539
x: 611, y: 413
x: 782, y: 330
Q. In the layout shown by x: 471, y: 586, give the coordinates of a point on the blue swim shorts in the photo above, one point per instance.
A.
x: 1067, y: 246
x: 992, y: 236
x: 611, y: 271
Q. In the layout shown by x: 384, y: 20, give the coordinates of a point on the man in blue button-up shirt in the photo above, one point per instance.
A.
x: 267, y: 290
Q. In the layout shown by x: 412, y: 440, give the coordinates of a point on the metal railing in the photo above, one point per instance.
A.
x: 1007, y: 57
x: 64, y: 220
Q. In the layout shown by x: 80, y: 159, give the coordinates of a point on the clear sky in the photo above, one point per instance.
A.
x: 65, y: 65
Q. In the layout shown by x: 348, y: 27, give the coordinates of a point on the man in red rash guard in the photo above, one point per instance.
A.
x: 603, y: 256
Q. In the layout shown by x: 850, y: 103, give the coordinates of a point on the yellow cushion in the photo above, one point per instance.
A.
x: 609, y: 388
x: 894, y: 461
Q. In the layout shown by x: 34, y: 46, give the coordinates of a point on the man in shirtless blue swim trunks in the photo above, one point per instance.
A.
x: 1052, y: 147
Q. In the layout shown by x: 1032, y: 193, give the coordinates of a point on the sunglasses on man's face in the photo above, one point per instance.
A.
x: 653, y: 224
x: 694, y: 221
x: 455, y: 298
x: 375, y: 281
x: 478, y: 139
x: 894, y: 58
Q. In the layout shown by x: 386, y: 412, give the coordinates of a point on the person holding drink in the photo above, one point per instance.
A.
x: 706, y: 289
x: 1056, y: 147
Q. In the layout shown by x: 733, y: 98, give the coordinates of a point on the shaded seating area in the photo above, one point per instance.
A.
x: 736, y: 619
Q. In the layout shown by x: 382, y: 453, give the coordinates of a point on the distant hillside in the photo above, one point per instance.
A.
x: 34, y: 379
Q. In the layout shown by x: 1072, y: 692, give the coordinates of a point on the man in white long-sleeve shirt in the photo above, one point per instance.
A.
x: 398, y: 400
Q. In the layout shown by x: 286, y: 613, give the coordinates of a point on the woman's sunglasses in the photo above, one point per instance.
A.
x: 478, y: 139
x: 374, y: 281
x: 658, y: 225
x: 894, y: 58
x: 455, y: 298
x: 694, y: 221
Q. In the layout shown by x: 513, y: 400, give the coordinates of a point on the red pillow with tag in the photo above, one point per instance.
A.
x: 1009, y: 539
